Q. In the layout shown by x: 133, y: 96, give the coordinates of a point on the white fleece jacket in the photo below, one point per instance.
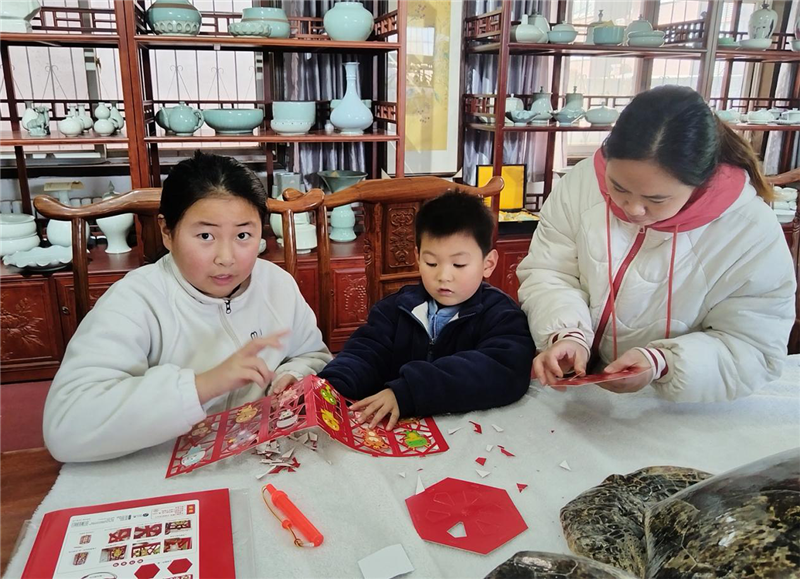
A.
x: 732, y: 299
x: 127, y: 380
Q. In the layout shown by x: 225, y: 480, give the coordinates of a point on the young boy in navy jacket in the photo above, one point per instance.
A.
x: 450, y: 344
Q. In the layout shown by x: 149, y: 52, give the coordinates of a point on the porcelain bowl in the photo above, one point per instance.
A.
x: 652, y: 38
x: 602, y: 116
x: 250, y: 28
x: 646, y: 41
x: 521, y: 117
x: 562, y: 36
x: 14, y: 225
x: 796, y: 45
x: 283, y: 127
x: 175, y: 27
x: 14, y: 244
x: 305, y: 235
x: 233, y: 121
x: 608, y: 35
x: 755, y: 43
x: 305, y: 111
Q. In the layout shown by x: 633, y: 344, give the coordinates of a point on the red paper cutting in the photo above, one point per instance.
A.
x: 600, y: 378
x: 504, y: 451
x: 521, y: 487
x: 309, y: 403
x: 488, y: 515
x: 476, y: 427
x: 480, y: 460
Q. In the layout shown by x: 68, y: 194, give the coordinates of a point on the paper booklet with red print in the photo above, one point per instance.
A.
x: 187, y: 535
x: 308, y: 403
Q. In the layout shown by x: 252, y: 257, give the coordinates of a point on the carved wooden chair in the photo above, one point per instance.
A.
x: 390, y: 207
x: 145, y: 204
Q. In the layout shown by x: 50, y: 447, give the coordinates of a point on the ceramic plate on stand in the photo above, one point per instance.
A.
x: 41, y: 259
x: 787, y: 122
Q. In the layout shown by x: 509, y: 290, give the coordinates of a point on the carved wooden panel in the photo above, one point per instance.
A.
x: 350, y: 304
x: 98, y: 284
x: 399, y: 243
x: 511, y: 253
x: 28, y: 317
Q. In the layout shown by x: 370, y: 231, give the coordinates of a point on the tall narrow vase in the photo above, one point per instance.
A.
x: 342, y: 218
x: 351, y: 116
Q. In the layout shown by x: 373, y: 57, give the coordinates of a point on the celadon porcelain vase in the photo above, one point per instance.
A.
x: 351, y: 116
x: 343, y: 219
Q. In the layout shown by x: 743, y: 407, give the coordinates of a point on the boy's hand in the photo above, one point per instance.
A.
x: 377, y: 407
x: 241, y: 368
x: 281, y: 383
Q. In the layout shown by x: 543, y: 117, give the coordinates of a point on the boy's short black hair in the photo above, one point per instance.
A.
x: 456, y: 212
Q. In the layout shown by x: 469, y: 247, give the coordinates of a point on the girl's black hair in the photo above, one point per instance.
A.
x: 674, y: 127
x: 207, y: 175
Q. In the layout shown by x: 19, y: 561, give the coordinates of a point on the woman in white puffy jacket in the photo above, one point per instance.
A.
x: 661, y: 255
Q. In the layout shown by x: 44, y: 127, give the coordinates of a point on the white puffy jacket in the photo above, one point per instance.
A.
x: 128, y: 377
x: 732, y: 302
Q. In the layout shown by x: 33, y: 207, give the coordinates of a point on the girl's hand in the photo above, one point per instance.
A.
x: 240, y: 369
x: 378, y: 406
x: 633, y: 359
x: 559, y: 359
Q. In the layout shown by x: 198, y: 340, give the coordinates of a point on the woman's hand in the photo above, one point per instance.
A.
x: 241, y: 368
x: 282, y: 383
x: 635, y: 360
x: 562, y: 357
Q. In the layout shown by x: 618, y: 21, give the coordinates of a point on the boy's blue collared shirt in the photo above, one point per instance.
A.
x: 439, y: 316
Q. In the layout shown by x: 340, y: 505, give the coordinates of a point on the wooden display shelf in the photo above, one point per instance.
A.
x: 548, y: 128
x: 742, y: 55
x: 99, y: 262
x: 269, y: 136
x: 589, y: 50
x: 209, y: 42
x: 769, y: 127
x: 22, y: 138
x: 59, y: 39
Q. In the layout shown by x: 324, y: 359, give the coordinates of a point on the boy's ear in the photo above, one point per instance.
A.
x: 416, y: 254
x: 490, y: 263
x: 166, y: 236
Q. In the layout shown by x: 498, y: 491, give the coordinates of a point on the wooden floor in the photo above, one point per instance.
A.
x: 26, y: 477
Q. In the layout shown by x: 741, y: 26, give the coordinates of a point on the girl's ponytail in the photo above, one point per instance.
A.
x: 734, y: 150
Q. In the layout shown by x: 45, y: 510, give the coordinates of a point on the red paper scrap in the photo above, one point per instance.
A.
x: 480, y: 460
x: 476, y: 427
x: 488, y: 515
x: 504, y: 451
x: 521, y: 487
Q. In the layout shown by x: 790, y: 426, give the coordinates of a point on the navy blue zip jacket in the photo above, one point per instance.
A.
x: 481, y: 359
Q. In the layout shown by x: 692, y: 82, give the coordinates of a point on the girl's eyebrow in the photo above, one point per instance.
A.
x: 656, y: 197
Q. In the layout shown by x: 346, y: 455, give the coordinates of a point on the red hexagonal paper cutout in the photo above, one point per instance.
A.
x: 147, y: 571
x: 488, y: 514
x: 179, y: 566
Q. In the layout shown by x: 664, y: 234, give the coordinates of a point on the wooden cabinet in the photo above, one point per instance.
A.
x: 512, y: 251
x: 65, y: 292
x: 32, y: 345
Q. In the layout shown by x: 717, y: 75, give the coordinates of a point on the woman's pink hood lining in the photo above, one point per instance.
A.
x: 707, y: 203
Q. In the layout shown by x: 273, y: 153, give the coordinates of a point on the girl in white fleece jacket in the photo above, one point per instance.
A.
x: 661, y: 254
x: 207, y: 327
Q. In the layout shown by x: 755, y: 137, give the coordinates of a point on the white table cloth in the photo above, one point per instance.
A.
x: 358, y: 502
